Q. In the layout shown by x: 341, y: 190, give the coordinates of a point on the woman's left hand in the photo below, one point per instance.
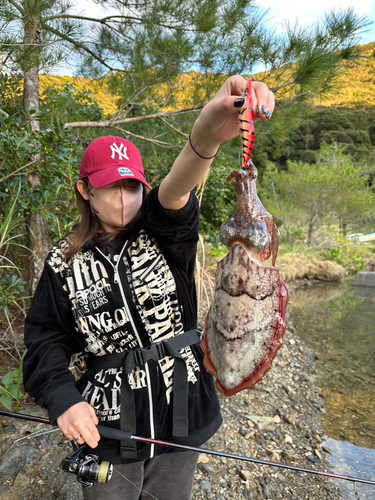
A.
x: 218, y: 121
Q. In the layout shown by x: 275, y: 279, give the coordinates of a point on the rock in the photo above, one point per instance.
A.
x: 244, y: 431
x: 71, y: 490
x: 10, y: 425
x: 223, y: 482
x: 289, y: 389
x: 14, y: 460
x: 317, y: 438
x: 275, y: 456
x: 281, y: 477
x: 21, y: 482
x: 207, y: 468
x: 313, y: 458
x: 205, y: 485
x: 249, y: 435
x: 245, y: 474
x: 265, y: 423
x: 236, y: 412
x: 265, y: 489
x: 291, y: 418
x: 203, y: 459
x: 288, y: 439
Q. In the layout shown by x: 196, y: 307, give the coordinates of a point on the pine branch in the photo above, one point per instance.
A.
x: 147, y: 139
x: 79, y: 45
x: 175, y: 129
x: 105, y: 20
x: 17, y: 6
x: 115, y: 123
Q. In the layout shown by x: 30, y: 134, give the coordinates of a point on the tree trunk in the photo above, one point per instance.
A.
x: 311, y: 230
x: 312, y: 220
x: 310, y: 234
x: 344, y: 229
x: 39, y: 241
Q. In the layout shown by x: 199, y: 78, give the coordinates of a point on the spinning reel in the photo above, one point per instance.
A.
x: 88, y: 468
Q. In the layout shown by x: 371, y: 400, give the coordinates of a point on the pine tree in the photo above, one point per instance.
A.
x: 147, y: 43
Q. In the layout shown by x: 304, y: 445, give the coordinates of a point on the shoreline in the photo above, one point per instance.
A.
x: 279, y: 420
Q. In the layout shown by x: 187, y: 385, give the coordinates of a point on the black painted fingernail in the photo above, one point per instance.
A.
x: 268, y: 115
x: 264, y: 109
x: 238, y: 103
x: 257, y: 109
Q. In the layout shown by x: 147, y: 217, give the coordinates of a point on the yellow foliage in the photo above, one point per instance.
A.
x: 356, y: 88
x: 97, y: 88
x: 190, y: 89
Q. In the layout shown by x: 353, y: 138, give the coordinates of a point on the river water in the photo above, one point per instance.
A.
x: 338, y: 322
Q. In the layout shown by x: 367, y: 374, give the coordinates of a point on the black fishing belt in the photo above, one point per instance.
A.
x: 129, y: 361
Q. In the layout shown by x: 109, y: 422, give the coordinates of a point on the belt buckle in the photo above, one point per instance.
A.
x: 152, y: 352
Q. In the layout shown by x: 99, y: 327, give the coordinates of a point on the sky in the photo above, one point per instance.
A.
x: 279, y: 11
x: 309, y: 12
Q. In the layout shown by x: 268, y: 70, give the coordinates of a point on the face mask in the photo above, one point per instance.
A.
x: 117, y: 204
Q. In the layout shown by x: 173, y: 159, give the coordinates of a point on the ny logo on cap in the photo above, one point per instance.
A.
x: 118, y: 149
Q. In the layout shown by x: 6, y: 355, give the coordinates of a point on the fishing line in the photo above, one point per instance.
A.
x: 30, y: 436
x: 135, y: 486
x: 130, y: 481
x: 356, y: 494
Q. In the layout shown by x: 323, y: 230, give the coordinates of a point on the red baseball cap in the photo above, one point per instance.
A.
x: 111, y: 159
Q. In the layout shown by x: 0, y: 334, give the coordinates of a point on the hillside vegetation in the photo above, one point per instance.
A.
x: 355, y: 88
x: 357, y: 85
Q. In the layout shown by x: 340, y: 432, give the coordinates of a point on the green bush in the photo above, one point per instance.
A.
x: 10, y: 389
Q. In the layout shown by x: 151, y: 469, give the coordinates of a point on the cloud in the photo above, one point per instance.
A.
x: 306, y: 13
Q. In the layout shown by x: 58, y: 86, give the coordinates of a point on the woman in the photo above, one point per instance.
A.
x: 120, y: 289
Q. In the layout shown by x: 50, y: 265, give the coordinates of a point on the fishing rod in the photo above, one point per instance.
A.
x: 22, y: 416
x: 121, y: 435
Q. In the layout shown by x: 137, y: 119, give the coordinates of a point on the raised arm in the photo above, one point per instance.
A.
x: 217, y: 123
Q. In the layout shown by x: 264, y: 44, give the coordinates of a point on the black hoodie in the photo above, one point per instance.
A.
x: 139, y: 291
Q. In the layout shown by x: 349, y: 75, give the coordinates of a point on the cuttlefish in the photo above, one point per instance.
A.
x: 247, y: 318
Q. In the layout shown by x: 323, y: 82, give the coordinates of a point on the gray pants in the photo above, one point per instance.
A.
x: 165, y: 477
